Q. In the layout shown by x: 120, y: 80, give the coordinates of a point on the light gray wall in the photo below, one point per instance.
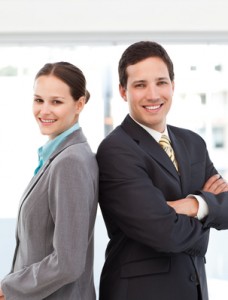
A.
x: 112, y: 15
x: 114, y: 20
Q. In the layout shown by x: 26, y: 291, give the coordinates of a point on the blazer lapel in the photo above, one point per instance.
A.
x: 74, y: 138
x: 183, y: 159
x: 149, y: 145
x: 33, y: 182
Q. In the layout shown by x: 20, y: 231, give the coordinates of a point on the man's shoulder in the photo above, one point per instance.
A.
x: 115, y: 137
x: 183, y: 132
x: 190, y: 138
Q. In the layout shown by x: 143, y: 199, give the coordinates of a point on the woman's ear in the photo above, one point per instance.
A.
x: 80, y: 103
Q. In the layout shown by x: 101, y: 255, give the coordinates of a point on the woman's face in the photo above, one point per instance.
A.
x: 54, y: 108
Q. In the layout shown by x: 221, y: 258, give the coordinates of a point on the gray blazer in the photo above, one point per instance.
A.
x: 54, y: 252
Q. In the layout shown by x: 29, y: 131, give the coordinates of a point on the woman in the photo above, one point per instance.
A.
x: 54, y: 252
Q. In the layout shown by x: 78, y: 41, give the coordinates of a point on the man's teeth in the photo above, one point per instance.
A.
x: 47, y: 121
x: 153, y: 107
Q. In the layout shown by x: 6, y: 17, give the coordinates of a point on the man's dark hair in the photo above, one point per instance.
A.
x: 138, y: 52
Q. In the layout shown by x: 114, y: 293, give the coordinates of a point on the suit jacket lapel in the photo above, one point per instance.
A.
x: 182, y: 157
x: 33, y: 182
x: 74, y: 138
x: 149, y: 145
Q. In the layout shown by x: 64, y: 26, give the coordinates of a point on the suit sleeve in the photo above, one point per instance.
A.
x: 131, y: 203
x: 218, y: 210
x: 70, y: 192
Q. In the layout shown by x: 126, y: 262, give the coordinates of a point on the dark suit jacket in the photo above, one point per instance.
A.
x: 154, y: 253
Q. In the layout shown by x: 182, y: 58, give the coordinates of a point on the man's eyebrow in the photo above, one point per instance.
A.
x: 162, y: 78
x: 139, y: 81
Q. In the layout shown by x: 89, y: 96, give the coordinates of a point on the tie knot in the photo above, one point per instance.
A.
x: 164, y: 141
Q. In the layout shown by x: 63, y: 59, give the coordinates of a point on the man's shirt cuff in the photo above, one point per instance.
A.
x: 203, y: 207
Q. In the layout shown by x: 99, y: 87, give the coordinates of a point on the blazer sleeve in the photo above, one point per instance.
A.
x: 131, y: 202
x: 70, y: 193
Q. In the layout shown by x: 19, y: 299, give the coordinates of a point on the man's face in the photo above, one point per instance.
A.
x: 149, y: 92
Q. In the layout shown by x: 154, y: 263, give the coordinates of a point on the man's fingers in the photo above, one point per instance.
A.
x: 216, y: 184
x: 222, y: 186
x: 210, y: 182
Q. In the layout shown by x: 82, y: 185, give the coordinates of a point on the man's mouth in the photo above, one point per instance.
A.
x: 153, y: 107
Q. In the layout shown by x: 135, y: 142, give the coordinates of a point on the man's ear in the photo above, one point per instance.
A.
x: 122, y: 91
x: 173, y: 86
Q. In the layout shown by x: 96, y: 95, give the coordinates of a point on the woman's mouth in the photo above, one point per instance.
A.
x: 47, y: 121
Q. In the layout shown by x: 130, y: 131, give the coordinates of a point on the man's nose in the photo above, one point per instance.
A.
x: 152, y: 92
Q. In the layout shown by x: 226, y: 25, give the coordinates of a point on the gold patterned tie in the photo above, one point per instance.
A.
x: 165, y: 144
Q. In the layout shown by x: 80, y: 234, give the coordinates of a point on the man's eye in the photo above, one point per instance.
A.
x: 162, y: 82
x: 140, y: 85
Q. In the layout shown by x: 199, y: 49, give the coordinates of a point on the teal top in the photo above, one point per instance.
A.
x: 46, y: 150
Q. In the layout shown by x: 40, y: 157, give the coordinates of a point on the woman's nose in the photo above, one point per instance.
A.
x: 45, y: 108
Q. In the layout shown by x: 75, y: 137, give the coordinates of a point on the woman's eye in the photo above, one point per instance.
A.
x: 57, y: 102
x: 38, y: 100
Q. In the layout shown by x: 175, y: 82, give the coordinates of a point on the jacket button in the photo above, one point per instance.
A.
x: 193, y: 278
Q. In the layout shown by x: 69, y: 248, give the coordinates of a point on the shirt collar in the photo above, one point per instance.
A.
x: 51, y: 145
x: 155, y: 134
x: 46, y: 150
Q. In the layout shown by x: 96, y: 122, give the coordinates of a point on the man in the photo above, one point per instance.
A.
x: 158, y: 212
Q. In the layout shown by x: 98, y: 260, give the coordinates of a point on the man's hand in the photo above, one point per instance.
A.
x: 186, y: 206
x: 215, y: 185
